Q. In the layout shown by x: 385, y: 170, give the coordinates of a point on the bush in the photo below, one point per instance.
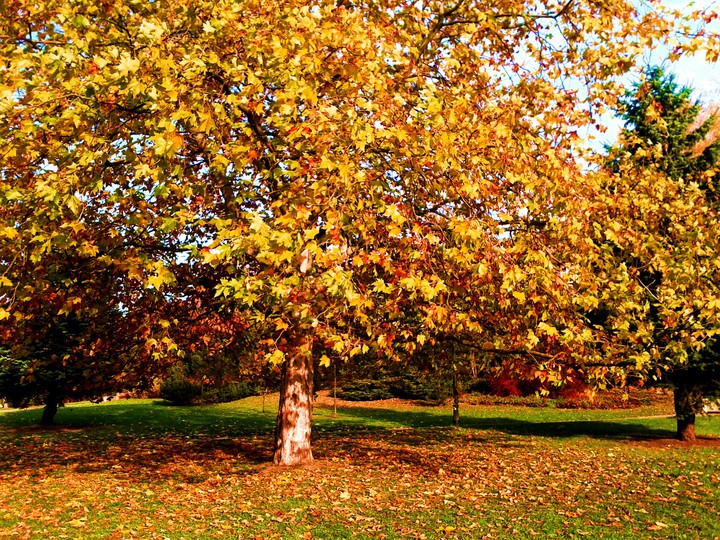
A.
x: 415, y: 386
x: 521, y: 401
x: 513, y: 382
x: 364, y: 390
x: 229, y: 392
x: 619, y: 398
x: 180, y: 391
x: 411, y: 385
x: 12, y: 388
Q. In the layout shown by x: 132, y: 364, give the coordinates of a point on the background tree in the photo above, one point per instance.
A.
x: 665, y: 195
x: 71, y: 335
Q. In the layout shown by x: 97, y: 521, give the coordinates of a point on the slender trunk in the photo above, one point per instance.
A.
x: 456, y: 399
x: 334, y: 390
x: 687, y: 398
x: 294, y: 420
x: 51, y: 407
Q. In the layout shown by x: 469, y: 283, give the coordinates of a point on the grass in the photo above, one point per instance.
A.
x: 138, y: 469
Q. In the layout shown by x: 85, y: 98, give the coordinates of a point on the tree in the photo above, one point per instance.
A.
x: 367, y: 175
x: 664, y: 130
x: 669, y: 242
x: 57, y: 349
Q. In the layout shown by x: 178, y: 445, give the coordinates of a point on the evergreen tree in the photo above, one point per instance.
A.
x: 665, y: 130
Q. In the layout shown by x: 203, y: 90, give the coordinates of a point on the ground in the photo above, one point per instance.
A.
x: 384, y: 470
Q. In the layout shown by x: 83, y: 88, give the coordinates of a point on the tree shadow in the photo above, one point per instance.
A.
x: 595, y: 429
x: 144, y: 458
x: 152, y: 443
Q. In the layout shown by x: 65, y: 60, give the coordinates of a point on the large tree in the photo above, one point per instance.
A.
x: 668, y: 133
x: 367, y: 174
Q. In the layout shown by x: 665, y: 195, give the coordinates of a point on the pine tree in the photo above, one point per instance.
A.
x: 666, y: 130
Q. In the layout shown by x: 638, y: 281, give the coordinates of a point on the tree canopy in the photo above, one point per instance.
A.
x: 670, y: 245
x: 362, y: 174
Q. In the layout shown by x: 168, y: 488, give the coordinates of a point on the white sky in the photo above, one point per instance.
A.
x: 691, y: 71
x: 695, y: 72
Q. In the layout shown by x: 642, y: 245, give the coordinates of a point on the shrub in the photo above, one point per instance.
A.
x: 410, y: 385
x: 618, y: 398
x: 524, y: 401
x: 178, y: 390
x: 513, y: 382
x: 229, y: 392
x: 364, y: 390
x: 12, y: 388
x: 478, y: 386
x: 415, y: 386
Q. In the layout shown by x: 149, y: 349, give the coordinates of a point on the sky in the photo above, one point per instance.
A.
x: 702, y: 77
x: 692, y: 71
x: 695, y: 72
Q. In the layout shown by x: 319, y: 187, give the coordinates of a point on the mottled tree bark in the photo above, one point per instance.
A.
x: 294, y: 420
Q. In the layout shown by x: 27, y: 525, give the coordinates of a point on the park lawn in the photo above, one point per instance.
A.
x: 138, y: 469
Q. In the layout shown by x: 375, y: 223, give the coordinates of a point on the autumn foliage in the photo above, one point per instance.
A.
x: 361, y: 176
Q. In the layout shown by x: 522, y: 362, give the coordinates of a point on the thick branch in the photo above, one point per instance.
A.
x: 504, y: 352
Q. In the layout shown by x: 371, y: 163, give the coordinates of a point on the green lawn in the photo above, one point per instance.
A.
x: 138, y: 469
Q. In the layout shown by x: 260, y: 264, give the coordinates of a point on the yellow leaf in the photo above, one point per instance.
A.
x: 127, y: 65
x: 9, y: 232
x: 610, y: 235
x: 381, y: 286
x: 547, y: 329
x: 277, y: 357
x: 393, y: 213
x: 324, y: 361
x: 162, y: 276
x: 281, y: 325
x: 311, y: 233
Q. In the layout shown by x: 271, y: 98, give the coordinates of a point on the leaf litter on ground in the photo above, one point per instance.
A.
x: 386, y: 473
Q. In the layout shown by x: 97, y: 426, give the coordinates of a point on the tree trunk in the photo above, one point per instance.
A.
x: 686, y: 428
x: 334, y: 390
x: 456, y: 399
x: 687, y: 399
x: 294, y: 420
x: 51, y: 407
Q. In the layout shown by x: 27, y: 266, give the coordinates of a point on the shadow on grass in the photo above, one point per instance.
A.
x: 596, y: 429
x: 139, y: 438
x: 148, y: 441
x: 144, y: 418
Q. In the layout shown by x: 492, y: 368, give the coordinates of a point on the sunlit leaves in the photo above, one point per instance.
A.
x: 351, y: 175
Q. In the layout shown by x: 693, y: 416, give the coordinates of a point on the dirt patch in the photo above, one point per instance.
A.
x: 701, y: 442
x: 325, y: 400
x: 45, y: 429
